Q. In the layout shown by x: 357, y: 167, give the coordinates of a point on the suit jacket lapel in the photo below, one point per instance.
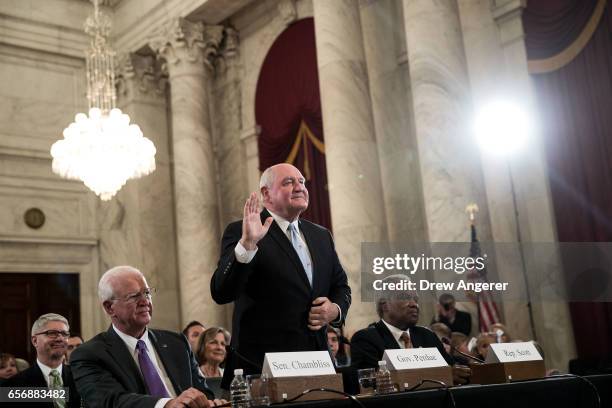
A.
x: 165, y: 355
x: 416, y: 338
x: 281, y: 239
x: 386, y: 335
x: 38, y: 378
x: 118, y: 351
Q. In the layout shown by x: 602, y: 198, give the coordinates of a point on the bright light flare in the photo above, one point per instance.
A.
x: 502, y: 128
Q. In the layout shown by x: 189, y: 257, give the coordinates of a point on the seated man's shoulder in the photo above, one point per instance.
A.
x: 368, y: 333
x: 423, y: 331
x: 168, y: 335
x: 92, y: 345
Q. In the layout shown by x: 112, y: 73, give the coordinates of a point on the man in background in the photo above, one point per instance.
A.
x: 192, y: 331
x: 74, y: 341
x: 50, y: 333
x: 456, y: 320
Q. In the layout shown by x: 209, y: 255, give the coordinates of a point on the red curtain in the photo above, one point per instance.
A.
x: 575, y: 104
x: 288, y: 109
x: 552, y: 25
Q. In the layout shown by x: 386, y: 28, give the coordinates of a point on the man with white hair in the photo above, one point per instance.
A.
x: 131, y: 365
x: 50, y: 334
x: 282, y: 273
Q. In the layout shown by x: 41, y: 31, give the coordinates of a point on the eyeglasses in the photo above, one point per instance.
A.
x: 54, y: 334
x: 136, y: 297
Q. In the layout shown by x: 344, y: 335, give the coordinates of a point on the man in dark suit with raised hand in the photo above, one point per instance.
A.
x: 131, y: 365
x: 281, y: 272
x: 396, y: 329
x: 50, y: 334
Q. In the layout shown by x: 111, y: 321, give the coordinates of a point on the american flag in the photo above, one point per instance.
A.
x: 488, y: 312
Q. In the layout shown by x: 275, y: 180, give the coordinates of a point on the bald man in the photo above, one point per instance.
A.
x: 281, y: 272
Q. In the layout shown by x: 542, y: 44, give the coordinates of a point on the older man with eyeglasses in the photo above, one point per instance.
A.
x: 50, y: 334
x: 131, y: 365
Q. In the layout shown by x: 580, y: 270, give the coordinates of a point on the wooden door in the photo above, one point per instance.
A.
x: 26, y: 296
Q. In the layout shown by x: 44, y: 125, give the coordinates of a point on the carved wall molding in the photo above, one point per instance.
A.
x: 140, y: 76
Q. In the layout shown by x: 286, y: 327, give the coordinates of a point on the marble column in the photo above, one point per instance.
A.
x: 356, y: 197
x: 395, y: 137
x: 147, y: 205
x: 385, y: 51
x: 188, y: 49
x: 534, y: 212
x: 228, y: 122
x: 229, y: 149
x: 448, y: 156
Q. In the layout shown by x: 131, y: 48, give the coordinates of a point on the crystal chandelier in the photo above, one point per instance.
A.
x: 102, y: 149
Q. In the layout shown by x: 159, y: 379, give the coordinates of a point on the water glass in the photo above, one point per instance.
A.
x: 367, y: 380
x: 260, y: 389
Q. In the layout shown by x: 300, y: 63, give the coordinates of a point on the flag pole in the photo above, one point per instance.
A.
x: 521, y: 252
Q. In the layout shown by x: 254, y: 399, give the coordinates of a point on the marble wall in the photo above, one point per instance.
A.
x: 41, y: 91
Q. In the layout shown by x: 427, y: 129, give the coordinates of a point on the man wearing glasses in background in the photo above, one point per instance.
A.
x: 131, y: 365
x: 50, y: 333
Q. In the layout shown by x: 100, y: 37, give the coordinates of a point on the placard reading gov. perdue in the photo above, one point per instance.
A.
x: 422, y: 357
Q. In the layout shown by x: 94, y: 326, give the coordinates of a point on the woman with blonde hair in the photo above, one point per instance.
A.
x: 211, y: 351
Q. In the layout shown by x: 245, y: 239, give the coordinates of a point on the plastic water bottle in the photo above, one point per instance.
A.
x: 383, y: 379
x: 239, y: 390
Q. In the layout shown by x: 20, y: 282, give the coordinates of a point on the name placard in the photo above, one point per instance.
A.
x: 298, y: 364
x: 510, y: 352
x: 422, y: 357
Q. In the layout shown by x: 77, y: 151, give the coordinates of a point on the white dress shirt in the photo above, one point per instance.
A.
x: 130, y: 343
x: 46, y: 370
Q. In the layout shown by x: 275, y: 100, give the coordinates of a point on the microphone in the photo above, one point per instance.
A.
x: 454, y: 349
x: 499, y: 333
x: 229, y: 348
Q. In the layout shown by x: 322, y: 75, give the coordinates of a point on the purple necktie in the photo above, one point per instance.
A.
x: 151, y: 377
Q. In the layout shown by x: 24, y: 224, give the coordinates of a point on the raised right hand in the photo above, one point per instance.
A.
x: 252, y: 228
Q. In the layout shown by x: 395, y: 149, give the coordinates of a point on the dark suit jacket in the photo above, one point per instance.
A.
x: 368, y: 345
x: 272, y: 295
x: 107, y: 375
x: 462, y: 323
x: 33, y: 377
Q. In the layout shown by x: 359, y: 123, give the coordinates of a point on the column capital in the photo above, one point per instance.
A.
x: 507, y: 15
x: 140, y: 76
x: 287, y: 11
x: 232, y: 42
x: 230, y: 52
x: 182, y: 43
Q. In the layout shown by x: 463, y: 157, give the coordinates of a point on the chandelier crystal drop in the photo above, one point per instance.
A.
x: 102, y: 149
